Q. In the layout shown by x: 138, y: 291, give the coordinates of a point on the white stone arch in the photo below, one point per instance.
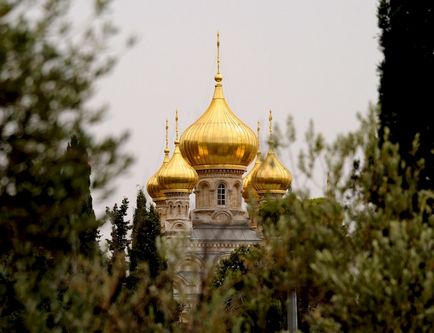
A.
x: 192, y: 263
x: 178, y: 226
x: 222, y: 217
x: 203, y: 195
x: 170, y: 204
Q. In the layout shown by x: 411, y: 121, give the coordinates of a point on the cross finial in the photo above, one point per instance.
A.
x: 218, y: 77
x: 167, y: 136
x: 177, y: 126
x: 218, y: 53
x: 270, y: 119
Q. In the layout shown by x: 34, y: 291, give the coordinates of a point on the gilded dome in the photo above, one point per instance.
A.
x: 153, y: 186
x: 271, y: 176
x: 178, y: 175
x: 219, y: 139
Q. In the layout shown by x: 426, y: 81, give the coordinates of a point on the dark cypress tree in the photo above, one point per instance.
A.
x: 407, y: 79
x: 146, y: 230
x: 119, y: 243
x: 79, y: 171
x: 139, y: 220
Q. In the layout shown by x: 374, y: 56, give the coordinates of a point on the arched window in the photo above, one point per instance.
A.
x: 221, y: 195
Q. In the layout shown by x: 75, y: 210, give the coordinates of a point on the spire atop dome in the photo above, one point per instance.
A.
x: 219, y: 139
x: 176, y: 127
x: 178, y: 175
x: 218, y: 53
x: 271, y: 176
x: 271, y: 142
x: 218, y: 77
x: 270, y: 120
x: 166, y: 149
x: 153, y: 186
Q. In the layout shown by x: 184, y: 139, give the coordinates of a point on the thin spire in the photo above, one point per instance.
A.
x: 271, y: 143
x: 218, y: 77
x: 166, y: 149
x: 176, y: 127
x: 270, y: 119
x: 218, y: 53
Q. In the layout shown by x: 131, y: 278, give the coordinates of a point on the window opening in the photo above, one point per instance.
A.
x: 221, y: 195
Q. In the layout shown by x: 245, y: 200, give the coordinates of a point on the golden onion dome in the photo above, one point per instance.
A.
x: 153, y: 186
x: 248, y: 189
x: 219, y: 139
x: 271, y: 176
x: 178, y: 175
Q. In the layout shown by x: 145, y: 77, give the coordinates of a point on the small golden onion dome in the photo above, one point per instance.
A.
x: 153, y: 186
x: 178, y: 175
x: 271, y: 176
x: 219, y: 139
x: 248, y: 189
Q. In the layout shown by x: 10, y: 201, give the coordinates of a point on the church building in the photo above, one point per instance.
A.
x: 209, y: 161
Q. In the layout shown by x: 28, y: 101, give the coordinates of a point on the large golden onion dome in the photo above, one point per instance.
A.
x: 271, y: 176
x: 219, y: 139
x: 248, y: 189
x: 153, y: 186
x: 178, y: 175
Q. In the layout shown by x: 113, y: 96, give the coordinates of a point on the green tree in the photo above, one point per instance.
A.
x: 356, y: 266
x: 47, y: 75
x: 119, y: 242
x: 78, y: 169
x: 406, y: 85
x: 145, y: 234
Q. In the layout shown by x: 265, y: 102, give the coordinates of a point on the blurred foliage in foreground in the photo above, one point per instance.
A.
x: 360, y: 259
x: 355, y: 266
x: 52, y: 278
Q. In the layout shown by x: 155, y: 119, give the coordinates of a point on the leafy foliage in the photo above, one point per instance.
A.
x: 355, y: 266
x: 360, y: 259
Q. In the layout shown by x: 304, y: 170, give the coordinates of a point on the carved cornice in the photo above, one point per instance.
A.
x: 210, y: 172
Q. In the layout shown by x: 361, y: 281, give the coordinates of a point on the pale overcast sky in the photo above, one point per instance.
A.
x: 314, y: 59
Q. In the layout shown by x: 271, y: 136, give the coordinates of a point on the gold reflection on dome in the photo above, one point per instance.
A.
x: 153, y: 186
x: 178, y: 175
x: 219, y: 139
x: 248, y: 189
x: 271, y: 176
